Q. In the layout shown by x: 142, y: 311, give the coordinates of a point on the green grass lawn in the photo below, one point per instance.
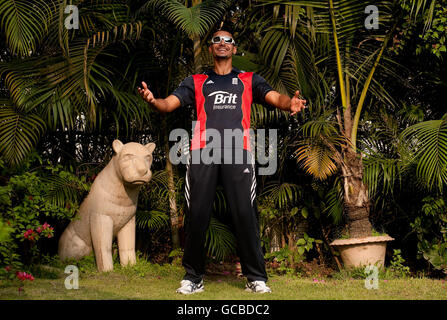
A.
x: 151, y: 281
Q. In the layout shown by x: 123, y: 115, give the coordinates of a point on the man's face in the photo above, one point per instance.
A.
x: 222, y: 50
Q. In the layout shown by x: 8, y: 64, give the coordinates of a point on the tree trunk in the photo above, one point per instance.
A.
x: 356, y: 200
x: 173, y: 212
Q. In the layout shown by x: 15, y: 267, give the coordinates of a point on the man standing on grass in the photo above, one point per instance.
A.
x: 223, y: 98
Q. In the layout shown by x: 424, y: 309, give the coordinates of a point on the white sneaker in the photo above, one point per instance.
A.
x: 258, y: 287
x: 189, y: 287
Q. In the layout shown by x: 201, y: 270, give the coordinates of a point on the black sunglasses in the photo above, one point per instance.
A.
x: 218, y: 39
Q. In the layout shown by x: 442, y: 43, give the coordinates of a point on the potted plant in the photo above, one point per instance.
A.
x: 359, y: 252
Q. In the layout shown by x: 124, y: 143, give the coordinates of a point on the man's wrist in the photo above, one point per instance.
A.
x: 152, y: 104
x: 288, y: 104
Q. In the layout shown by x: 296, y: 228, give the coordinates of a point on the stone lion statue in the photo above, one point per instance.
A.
x: 109, y: 209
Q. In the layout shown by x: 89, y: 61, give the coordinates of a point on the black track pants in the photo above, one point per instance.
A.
x: 239, y: 185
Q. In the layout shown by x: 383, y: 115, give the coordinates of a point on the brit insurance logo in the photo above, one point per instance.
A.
x: 224, y: 100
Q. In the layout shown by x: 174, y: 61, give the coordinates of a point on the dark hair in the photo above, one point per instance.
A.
x: 224, y: 26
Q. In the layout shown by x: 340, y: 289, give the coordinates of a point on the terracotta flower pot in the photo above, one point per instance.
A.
x: 360, y: 252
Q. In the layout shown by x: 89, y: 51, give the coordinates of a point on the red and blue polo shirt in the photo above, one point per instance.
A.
x: 222, y: 102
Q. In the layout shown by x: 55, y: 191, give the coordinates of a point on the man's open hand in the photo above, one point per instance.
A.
x: 146, y: 94
x: 296, y: 104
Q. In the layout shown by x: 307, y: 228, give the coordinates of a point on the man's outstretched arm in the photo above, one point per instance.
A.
x: 162, y: 105
x: 283, y: 102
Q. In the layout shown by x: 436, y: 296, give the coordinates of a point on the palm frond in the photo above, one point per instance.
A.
x: 63, y: 87
x: 19, y: 132
x: 317, y: 150
x: 261, y: 116
x: 381, y: 171
x: 220, y: 203
x: 284, y: 195
x: 321, y: 126
x: 427, y: 142
x: 62, y: 190
x: 333, y: 202
x: 274, y: 48
x: 220, y: 241
x: 421, y: 7
x: 195, y: 20
x: 25, y: 23
x: 160, y: 179
x: 317, y: 159
x: 152, y: 220
x: 290, y: 63
x: 347, y: 13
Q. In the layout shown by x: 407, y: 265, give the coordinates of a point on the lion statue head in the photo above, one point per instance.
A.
x: 133, y: 162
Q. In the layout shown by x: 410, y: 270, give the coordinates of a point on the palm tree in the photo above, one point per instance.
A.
x: 323, y: 49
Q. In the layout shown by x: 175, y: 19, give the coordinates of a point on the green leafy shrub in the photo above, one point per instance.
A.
x: 431, y: 32
x: 282, y: 261
x: 434, y: 39
x: 437, y: 256
x: 306, y: 244
x: 30, y: 202
x: 176, y: 255
x: 397, y: 265
x: 5, y: 230
x: 431, y: 230
x: 289, y: 260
